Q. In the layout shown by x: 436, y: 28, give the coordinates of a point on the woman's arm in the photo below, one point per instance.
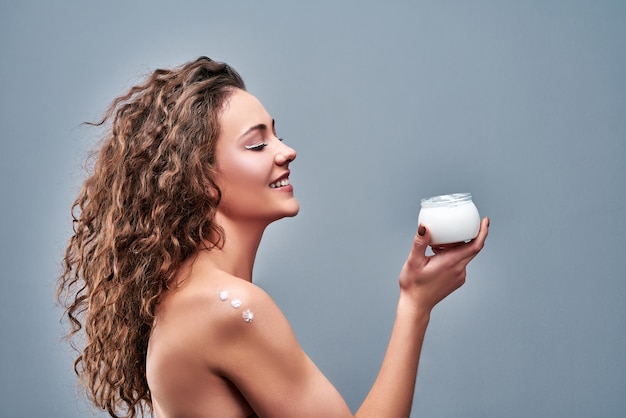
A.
x: 266, y: 363
x: 424, y: 282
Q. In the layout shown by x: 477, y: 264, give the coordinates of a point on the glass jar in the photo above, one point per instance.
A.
x: 451, y: 218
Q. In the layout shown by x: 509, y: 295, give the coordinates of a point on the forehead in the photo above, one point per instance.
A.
x: 241, y: 111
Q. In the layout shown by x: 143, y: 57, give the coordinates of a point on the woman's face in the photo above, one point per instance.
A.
x: 253, y: 163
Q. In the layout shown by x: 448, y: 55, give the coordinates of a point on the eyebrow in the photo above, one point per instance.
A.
x: 260, y: 127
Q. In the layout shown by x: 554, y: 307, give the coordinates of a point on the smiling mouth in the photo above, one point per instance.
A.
x: 280, y: 183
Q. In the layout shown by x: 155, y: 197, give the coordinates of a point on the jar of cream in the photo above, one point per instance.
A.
x: 451, y: 218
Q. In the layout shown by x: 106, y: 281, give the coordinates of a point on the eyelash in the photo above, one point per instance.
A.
x: 259, y: 147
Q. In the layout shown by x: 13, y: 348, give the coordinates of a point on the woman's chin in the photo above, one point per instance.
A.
x: 291, y: 211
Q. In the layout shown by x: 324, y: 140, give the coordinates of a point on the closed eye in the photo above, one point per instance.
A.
x: 259, y: 146
x: 256, y: 147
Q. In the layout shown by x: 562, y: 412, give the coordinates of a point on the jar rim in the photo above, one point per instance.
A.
x: 453, y: 199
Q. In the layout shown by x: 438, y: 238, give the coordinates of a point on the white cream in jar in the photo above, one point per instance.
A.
x: 451, y: 218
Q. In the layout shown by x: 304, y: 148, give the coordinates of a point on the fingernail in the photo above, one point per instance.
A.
x: 421, y: 230
x: 488, y: 222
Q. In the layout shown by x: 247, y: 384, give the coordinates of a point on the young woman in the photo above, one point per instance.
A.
x: 158, y: 273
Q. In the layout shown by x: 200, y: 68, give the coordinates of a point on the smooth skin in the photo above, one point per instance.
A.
x: 205, y: 361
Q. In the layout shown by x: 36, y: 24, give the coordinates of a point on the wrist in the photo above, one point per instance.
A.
x: 413, y: 310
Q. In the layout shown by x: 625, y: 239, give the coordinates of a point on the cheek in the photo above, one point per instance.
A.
x: 243, y: 172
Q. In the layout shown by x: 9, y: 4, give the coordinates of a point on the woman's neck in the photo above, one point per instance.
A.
x: 241, y: 243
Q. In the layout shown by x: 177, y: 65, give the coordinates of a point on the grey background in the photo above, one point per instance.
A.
x: 521, y: 103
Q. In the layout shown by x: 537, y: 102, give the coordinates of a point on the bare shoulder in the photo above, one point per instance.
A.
x: 242, y: 304
x: 243, y: 310
x: 221, y: 307
x: 240, y: 335
x: 188, y: 347
x: 258, y: 352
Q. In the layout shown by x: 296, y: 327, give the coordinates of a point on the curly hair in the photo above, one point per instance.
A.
x: 147, y: 205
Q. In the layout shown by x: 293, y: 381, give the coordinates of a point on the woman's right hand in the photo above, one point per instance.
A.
x: 428, y: 279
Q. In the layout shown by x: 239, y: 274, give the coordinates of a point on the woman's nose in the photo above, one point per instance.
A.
x: 285, y: 155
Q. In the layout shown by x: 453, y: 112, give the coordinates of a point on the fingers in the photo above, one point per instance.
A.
x: 476, y: 245
x: 461, y: 253
x: 479, y: 241
x: 444, y: 247
x: 466, y: 251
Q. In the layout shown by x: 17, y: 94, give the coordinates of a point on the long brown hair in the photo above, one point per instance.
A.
x: 148, y: 204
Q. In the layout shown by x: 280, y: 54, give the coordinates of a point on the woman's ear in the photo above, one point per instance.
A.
x: 213, y: 192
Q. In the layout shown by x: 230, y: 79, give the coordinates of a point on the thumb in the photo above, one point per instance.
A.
x: 420, y: 242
